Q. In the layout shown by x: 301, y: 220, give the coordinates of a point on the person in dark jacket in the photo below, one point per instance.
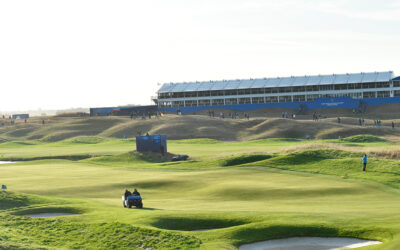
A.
x: 135, y: 192
x: 364, y: 162
x: 127, y: 193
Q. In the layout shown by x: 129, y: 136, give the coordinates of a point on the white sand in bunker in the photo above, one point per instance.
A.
x: 309, y: 243
x: 44, y: 215
x: 7, y: 162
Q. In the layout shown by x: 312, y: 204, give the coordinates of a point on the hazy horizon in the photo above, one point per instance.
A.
x: 68, y: 54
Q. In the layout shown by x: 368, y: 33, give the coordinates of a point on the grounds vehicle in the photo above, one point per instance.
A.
x: 132, y: 200
x: 180, y: 158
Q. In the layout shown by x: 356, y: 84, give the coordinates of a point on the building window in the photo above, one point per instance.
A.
x: 191, y: 103
x: 284, y: 89
x: 257, y: 100
x: 383, y: 93
x: 396, y: 84
x: 244, y: 91
x: 358, y: 85
x: 340, y: 86
x: 218, y: 102
x: 299, y: 98
x: 369, y: 94
x: 177, y: 104
x: 286, y: 98
x: 396, y: 93
x: 299, y: 89
x: 231, y: 92
x: 165, y: 104
x: 231, y: 101
x: 257, y: 91
x: 355, y: 95
x: 204, y: 102
x: 369, y: 85
x: 382, y: 85
x: 204, y: 93
x: 244, y: 100
x: 311, y: 88
x: 217, y: 93
x: 326, y: 87
x: 164, y: 95
x: 312, y: 97
x: 191, y: 94
x: 269, y: 99
x: 178, y: 95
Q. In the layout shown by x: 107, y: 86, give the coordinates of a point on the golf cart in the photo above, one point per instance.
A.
x: 180, y: 158
x: 132, y: 200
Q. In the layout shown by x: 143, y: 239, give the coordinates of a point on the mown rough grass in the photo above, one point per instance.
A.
x: 363, y: 138
x: 72, y: 235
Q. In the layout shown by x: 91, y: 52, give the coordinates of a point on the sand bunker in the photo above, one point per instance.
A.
x: 44, y: 215
x: 309, y: 243
x: 7, y: 162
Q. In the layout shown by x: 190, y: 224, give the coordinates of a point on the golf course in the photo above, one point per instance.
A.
x: 244, y: 182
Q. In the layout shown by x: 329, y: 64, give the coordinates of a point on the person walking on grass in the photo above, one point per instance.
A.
x: 364, y: 161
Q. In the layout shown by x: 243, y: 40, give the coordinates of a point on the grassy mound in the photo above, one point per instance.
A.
x: 364, y: 138
x: 11, y: 200
x: 187, y: 223
x: 310, y: 156
x: 243, y: 159
x: 58, y: 233
x: 185, y: 127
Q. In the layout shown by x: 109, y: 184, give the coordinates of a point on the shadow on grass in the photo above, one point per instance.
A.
x: 188, y: 224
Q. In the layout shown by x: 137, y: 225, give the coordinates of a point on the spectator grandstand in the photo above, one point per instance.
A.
x: 355, y: 91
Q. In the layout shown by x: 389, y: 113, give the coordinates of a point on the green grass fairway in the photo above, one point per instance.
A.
x: 246, y: 191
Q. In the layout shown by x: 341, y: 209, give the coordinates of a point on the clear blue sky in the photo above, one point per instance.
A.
x: 81, y: 53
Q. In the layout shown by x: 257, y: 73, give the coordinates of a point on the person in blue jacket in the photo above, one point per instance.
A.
x: 364, y: 162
